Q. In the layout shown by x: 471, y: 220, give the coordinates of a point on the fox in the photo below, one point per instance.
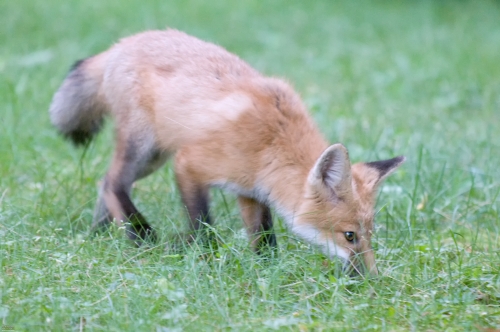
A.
x: 227, y: 126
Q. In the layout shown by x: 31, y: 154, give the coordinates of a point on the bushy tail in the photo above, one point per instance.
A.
x: 77, y: 109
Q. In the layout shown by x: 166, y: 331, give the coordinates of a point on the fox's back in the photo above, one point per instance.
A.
x: 176, y: 53
x: 187, y: 88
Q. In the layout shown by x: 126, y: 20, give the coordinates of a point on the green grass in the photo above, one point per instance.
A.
x: 417, y: 78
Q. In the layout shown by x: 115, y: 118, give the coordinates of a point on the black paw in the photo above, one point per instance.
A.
x: 141, y: 234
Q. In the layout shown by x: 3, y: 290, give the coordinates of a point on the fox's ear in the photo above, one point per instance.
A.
x: 373, y: 173
x: 332, y: 171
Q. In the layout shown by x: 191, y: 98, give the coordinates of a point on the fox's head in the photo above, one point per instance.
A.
x: 337, y: 209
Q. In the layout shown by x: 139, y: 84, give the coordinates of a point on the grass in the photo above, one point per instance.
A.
x: 418, y: 78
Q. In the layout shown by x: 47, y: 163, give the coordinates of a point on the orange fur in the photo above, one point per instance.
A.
x: 228, y: 126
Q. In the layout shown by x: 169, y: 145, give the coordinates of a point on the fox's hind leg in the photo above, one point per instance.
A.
x: 133, y: 159
x: 194, y: 192
x: 102, y: 217
x: 259, y: 224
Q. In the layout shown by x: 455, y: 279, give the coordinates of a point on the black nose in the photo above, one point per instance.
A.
x: 353, y: 271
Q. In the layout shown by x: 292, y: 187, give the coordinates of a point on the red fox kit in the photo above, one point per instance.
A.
x: 229, y: 127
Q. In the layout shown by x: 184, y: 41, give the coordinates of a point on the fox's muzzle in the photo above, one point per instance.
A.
x: 362, y: 264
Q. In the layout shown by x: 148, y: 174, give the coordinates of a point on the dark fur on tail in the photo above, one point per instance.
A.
x: 76, y: 109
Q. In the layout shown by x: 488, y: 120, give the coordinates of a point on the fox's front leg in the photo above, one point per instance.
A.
x: 259, y: 224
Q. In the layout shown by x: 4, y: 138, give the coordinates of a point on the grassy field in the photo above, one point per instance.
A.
x: 386, y: 78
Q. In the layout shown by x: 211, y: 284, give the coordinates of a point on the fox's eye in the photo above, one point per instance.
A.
x: 349, y: 236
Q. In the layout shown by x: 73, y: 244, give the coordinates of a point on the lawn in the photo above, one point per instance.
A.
x: 385, y: 78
